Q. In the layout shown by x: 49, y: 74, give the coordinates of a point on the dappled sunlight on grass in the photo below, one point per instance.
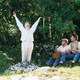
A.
x: 65, y: 73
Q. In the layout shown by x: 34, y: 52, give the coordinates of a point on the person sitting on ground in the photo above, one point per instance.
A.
x: 74, y: 49
x: 59, y: 55
x: 55, y: 58
x: 64, y: 50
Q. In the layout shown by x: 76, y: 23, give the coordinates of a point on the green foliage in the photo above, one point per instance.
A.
x: 4, y: 63
x: 62, y: 13
x: 65, y: 20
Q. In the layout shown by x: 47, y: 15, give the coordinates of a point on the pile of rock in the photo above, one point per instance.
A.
x: 25, y: 67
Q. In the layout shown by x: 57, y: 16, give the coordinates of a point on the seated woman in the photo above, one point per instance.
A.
x: 59, y: 55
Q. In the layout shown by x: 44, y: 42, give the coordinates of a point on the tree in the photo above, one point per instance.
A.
x: 64, y: 20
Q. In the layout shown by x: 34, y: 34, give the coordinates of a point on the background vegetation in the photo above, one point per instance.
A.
x: 61, y: 18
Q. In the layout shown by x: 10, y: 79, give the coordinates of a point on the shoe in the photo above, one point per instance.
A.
x: 24, y: 64
x: 73, y: 61
x: 61, y: 62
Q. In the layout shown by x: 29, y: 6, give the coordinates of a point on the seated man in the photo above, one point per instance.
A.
x: 64, y: 49
x: 55, y: 59
x: 74, y: 49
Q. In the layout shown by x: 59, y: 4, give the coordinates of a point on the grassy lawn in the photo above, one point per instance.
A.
x: 64, y: 72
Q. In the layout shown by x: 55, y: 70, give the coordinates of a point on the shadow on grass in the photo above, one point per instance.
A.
x: 68, y: 64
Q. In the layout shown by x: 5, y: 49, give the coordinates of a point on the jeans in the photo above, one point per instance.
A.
x: 63, y: 57
x: 53, y: 62
x: 73, y: 56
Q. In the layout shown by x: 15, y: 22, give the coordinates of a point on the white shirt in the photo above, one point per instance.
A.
x: 63, y: 49
x: 27, y: 35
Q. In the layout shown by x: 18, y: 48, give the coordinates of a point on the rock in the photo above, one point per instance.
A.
x: 9, y: 72
x: 21, y: 67
x: 6, y: 71
x: 43, y: 68
x: 20, y: 70
x: 7, y: 57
